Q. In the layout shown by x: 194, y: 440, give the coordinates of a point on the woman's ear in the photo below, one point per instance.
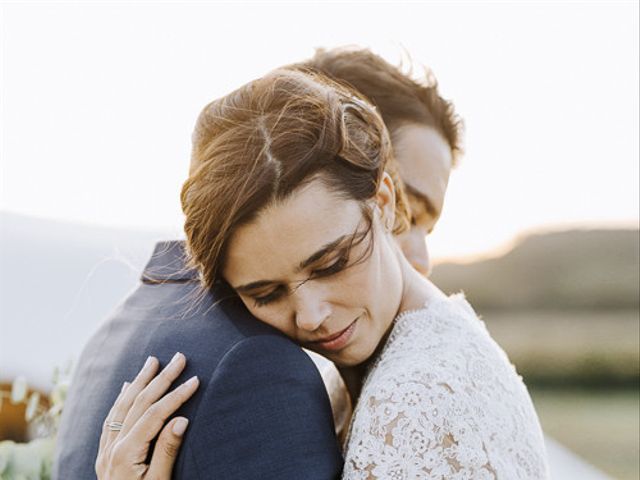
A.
x: 386, y: 201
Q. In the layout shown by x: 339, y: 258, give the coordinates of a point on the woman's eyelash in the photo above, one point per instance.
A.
x: 260, y: 301
x: 335, y: 267
x: 330, y: 270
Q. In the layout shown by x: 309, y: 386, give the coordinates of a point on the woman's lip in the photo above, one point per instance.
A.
x: 339, y: 340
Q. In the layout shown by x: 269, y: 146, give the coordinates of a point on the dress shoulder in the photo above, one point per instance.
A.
x: 443, y: 401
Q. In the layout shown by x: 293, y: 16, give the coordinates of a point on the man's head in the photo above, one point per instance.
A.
x: 424, y: 128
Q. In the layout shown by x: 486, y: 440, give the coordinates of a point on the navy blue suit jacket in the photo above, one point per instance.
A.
x: 261, y: 410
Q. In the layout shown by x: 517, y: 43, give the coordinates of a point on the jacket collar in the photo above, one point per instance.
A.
x: 168, y: 264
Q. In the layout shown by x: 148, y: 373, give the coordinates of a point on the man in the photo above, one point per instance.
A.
x: 261, y: 409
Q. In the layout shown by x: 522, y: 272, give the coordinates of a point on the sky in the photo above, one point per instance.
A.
x: 98, y: 100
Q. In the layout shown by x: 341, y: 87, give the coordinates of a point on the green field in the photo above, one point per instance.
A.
x: 602, y: 426
x: 571, y: 347
x: 582, y: 369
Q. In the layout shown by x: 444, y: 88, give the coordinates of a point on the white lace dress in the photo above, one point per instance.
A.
x: 442, y: 401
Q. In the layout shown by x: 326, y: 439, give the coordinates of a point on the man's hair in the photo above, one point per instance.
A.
x: 399, y: 98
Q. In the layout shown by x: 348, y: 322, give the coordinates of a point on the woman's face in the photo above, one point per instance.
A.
x: 424, y: 162
x: 293, y: 270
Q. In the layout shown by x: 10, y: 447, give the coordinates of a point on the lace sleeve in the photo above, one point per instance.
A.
x: 416, y: 430
x: 444, y: 402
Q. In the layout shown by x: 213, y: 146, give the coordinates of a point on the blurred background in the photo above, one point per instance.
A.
x: 540, y: 224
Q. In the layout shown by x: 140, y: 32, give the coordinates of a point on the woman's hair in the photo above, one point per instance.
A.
x: 265, y: 140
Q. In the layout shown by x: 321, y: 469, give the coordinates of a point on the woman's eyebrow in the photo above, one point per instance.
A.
x: 327, y: 248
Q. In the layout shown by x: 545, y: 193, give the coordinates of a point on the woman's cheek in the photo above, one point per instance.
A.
x: 265, y: 314
x: 278, y: 318
x: 358, y: 287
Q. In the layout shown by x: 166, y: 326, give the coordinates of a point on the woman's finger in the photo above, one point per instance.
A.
x: 154, y: 418
x: 167, y: 447
x: 135, y: 444
x: 106, y: 436
x: 107, y: 420
x: 153, y: 391
x: 123, y: 403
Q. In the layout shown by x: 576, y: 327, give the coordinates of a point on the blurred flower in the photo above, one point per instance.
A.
x: 34, y: 460
x: 59, y: 393
x: 32, y: 406
x: 19, y: 390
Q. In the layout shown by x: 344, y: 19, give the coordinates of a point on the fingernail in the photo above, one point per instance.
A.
x: 192, y: 381
x: 124, y: 386
x: 148, y: 363
x: 176, y: 357
x: 180, y: 426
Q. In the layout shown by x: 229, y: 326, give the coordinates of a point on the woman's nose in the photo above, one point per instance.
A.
x: 311, y: 309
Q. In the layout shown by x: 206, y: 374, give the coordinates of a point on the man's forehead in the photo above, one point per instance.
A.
x: 423, y: 156
x: 419, y: 199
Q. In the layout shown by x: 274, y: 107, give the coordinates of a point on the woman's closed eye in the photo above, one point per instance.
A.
x: 270, y: 297
x: 335, y: 267
x: 332, y: 269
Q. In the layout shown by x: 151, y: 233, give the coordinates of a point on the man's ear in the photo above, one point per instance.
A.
x: 386, y: 201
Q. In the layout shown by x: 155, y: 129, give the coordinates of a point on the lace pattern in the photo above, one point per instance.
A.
x: 442, y: 401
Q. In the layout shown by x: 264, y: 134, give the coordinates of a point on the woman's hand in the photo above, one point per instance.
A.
x: 136, y: 418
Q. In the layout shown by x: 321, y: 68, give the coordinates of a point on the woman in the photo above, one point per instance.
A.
x: 290, y: 204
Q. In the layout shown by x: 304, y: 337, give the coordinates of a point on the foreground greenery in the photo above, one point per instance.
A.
x: 34, y: 460
x: 26, y: 461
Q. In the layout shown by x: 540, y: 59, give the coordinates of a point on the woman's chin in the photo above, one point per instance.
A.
x: 349, y: 362
x: 349, y: 357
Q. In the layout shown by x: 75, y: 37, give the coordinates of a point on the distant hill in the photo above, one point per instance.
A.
x: 59, y: 281
x: 576, y: 269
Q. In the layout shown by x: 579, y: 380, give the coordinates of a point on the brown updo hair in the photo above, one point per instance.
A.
x: 260, y: 143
